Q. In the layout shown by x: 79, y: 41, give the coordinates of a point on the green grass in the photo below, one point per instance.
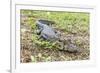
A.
x: 68, y: 21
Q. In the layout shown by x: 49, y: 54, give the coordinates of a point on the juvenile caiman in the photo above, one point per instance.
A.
x: 48, y: 33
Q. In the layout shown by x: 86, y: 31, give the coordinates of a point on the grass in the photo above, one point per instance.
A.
x: 73, y: 24
x: 68, y: 21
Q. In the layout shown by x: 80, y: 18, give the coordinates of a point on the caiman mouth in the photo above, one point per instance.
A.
x: 44, y: 21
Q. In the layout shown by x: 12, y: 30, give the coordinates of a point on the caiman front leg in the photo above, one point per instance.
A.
x: 39, y: 31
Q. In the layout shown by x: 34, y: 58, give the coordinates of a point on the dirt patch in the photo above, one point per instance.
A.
x: 29, y: 50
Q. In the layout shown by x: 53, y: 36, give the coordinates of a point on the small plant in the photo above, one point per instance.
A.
x: 44, y: 43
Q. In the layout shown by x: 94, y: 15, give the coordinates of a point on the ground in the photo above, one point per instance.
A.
x: 72, y: 25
